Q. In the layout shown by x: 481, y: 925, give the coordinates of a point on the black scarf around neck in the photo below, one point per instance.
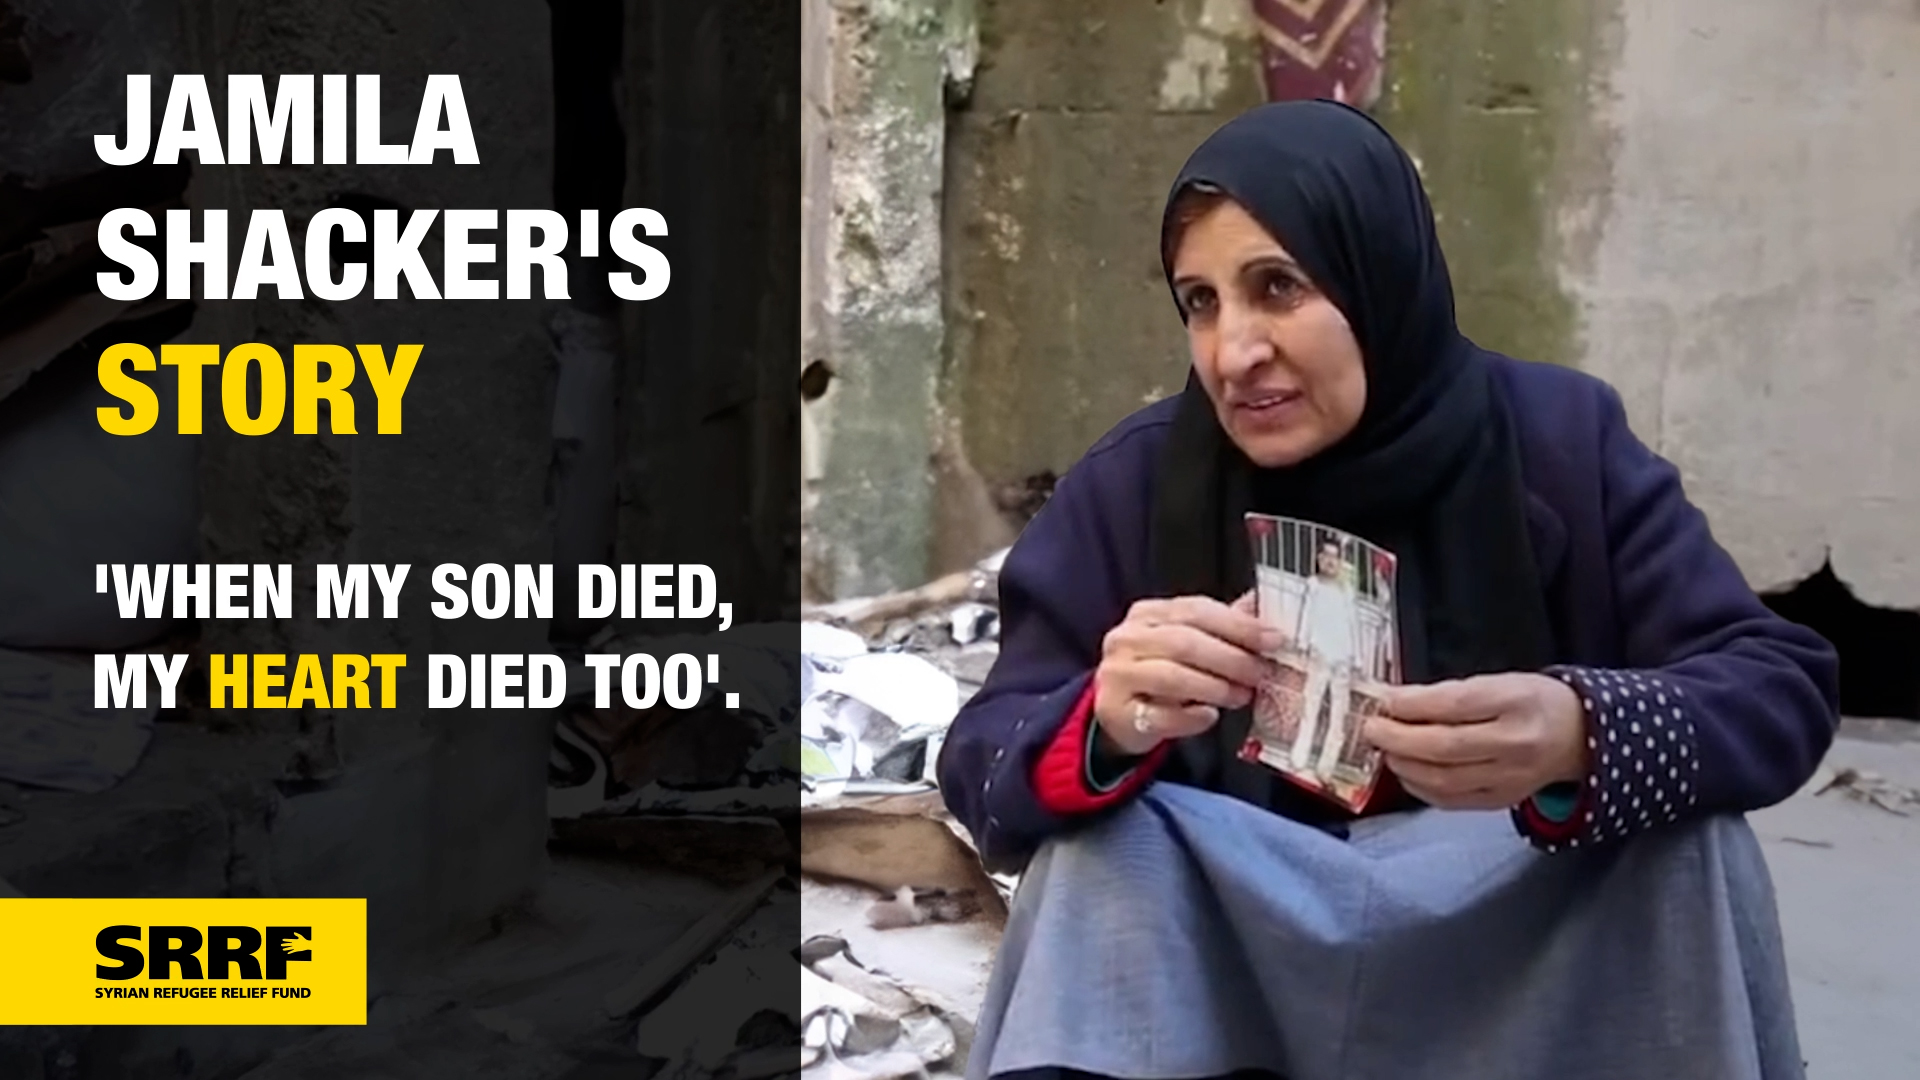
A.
x: 1431, y: 472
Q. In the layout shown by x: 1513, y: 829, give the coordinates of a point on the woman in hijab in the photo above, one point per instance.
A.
x: 1557, y: 877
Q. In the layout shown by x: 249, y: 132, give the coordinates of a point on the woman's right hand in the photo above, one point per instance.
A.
x: 1171, y: 665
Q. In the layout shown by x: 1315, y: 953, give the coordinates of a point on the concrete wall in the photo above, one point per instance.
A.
x: 1709, y: 205
x: 1082, y: 113
x: 984, y: 295
x: 879, y: 332
x: 1750, y: 284
x: 1490, y: 100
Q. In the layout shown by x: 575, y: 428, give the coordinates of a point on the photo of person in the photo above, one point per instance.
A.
x: 1331, y: 595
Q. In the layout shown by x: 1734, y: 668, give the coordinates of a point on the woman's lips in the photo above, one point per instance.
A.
x: 1269, y: 409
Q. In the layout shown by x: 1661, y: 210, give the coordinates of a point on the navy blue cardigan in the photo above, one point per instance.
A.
x: 1699, y: 699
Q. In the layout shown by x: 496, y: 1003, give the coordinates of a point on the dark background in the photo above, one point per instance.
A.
x: 519, y: 865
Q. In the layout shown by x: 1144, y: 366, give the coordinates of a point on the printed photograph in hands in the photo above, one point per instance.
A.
x: 1330, y: 594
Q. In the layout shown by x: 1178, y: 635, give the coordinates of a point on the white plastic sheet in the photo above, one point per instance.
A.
x: 858, y: 706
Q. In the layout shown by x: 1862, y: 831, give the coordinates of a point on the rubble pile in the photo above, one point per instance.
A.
x: 952, y: 622
x: 899, y: 918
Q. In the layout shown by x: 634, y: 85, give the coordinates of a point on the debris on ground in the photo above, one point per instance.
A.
x: 602, y: 756
x: 706, y: 791
x: 918, y: 987
x: 883, y: 677
x: 873, y: 724
x: 902, y: 922
x: 730, y: 1012
x: 900, y: 918
x: 864, y: 1024
x: 1870, y: 788
x: 717, y: 999
x: 871, y: 616
x: 907, y: 841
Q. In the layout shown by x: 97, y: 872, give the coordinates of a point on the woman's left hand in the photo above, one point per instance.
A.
x: 1482, y: 743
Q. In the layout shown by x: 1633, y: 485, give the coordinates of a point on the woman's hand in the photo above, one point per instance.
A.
x: 1169, y: 668
x: 1482, y: 743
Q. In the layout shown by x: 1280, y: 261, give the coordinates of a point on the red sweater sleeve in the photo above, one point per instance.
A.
x: 1061, y: 779
x: 1546, y: 830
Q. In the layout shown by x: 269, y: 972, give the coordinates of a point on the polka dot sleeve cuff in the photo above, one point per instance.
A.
x: 1643, y: 760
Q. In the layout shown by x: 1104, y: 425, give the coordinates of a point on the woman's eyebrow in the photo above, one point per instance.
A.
x: 1267, y: 262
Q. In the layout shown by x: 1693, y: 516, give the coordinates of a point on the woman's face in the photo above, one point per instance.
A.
x: 1274, y: 354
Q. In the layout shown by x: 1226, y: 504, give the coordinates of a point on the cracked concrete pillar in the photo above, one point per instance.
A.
x: 879, y: 340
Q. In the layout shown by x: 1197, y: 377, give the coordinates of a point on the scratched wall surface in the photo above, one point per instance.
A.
x: 1747, y: 276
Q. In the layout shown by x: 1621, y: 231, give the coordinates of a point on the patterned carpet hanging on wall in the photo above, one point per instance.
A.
x: 1322, y: 48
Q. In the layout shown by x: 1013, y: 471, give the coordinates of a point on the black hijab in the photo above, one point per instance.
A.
x: 1431, y: 472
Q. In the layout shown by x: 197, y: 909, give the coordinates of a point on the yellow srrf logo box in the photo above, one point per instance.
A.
x: 183, y: 961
